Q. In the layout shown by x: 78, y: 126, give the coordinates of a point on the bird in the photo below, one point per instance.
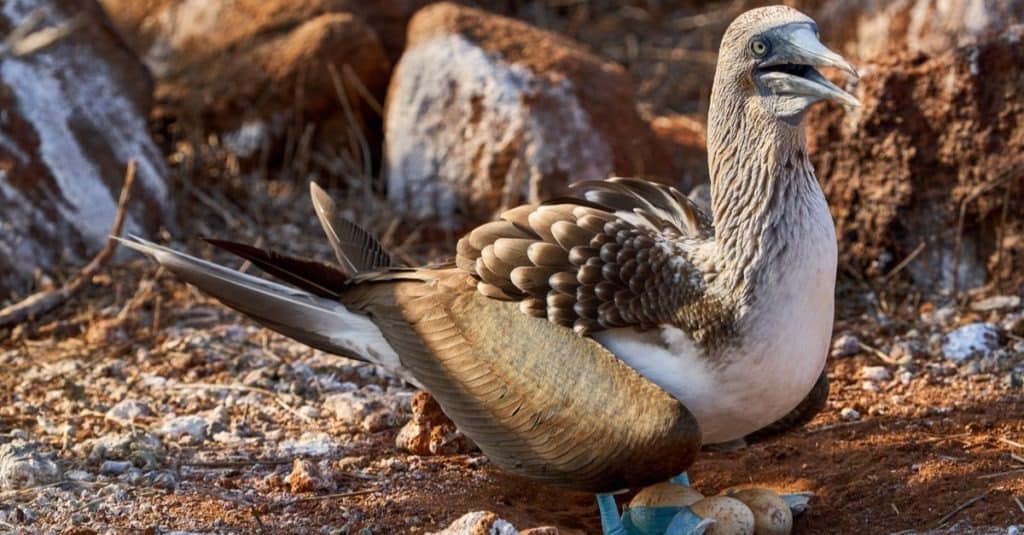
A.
x: 598, y: 340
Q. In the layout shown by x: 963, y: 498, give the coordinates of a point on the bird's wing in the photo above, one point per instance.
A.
x: 538, y: 400
x: 623, y: 252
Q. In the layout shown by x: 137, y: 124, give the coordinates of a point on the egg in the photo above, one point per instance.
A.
x: 666, y: 495
x: 655, y: 507
x: 731, y: 516
x: 772, y: 515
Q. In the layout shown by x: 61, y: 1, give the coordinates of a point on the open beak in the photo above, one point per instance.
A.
x: 790, y: 68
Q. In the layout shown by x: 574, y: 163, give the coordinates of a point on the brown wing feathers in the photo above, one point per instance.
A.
x: 616, y: 256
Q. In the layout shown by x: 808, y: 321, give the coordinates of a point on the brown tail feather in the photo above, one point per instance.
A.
x: 314, y: 277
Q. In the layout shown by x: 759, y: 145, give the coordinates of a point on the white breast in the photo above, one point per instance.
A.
x: 783, y: 342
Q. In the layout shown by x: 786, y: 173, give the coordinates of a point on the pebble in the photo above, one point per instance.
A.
x: 79, y: 475
x: 22, y: 465
x: 975, y: 339
x: 368, y: 408
x: 309, y: 444
x: 849, y: 414
x: 128, y: 410
x: 479, y: 522
x: 847, y: 345
x: 904, y: 351
x: 870, y: 386
x: 114, y: 468
x: 996, y: 302
x: 943, y: 316
x: 192, y: 425
x: 875, y: 373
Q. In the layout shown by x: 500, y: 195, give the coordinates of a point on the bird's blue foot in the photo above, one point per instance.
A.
x: 651, y: 520
x: 611, y: 523
x: 682, y: 479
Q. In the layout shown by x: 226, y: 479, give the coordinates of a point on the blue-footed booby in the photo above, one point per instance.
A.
x: 596, y: 341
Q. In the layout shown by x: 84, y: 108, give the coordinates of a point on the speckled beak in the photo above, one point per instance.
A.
x: 790, y: 69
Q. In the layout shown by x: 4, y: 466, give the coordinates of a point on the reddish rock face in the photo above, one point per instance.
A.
x: 71, y: 116
x: 485, y: 112
x: 258, y: 71
x: 935, y: 133
x: 863, y: 29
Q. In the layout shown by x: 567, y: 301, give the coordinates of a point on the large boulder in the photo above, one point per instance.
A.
x: 259, y: 71
x: 485, y: 112
x: 71, y: 117
x: 863, y: 29
x: 937, y: 133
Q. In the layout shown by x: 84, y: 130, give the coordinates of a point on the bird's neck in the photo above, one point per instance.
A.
x: 764, y: 196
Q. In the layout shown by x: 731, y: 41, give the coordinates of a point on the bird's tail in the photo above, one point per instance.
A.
x: 312, y: 317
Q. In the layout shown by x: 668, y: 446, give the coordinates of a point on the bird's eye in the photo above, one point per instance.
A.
x: 758, y: 47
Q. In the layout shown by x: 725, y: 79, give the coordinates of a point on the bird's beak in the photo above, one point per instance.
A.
x: 790, y: 69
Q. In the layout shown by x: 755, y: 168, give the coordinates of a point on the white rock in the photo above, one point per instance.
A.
x: 73, y: 116
x: 115, y: 468
x: 179, y: 426
x: 128, y: 410
x: 975, y: 339
x: 846, y: 345
x: 22, y: 465
x: 311, y: 444
x: 875, y: 373
x: 997, y: 302
x: 479, y: 522
x: 849, y: 414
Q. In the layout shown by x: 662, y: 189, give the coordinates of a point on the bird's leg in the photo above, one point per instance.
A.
x: 611, y: 523
x: 682, y: 479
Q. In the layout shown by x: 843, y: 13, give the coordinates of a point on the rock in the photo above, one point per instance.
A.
x: 542, y: 530
x: 372, y: 411
x: 479, y: 522
x: 933, y: 129
x: 904, y: 351
x: 307, y: 477
x: 22, y: 465
x: 975, y: 339
x: 996, y: 302
x: 135, y: 445
x: 128, y: 410
x: 114, y: 468
x: 193, y: 426
x: 311, y: 444
x: 257, y: 71
x: 71, y: 117
x: 162, y: 29
x: 430, y: 432
x: 847, y: 345
x: 849, y: 414
x: 864, y: 29
x: 876, y: 374
x: 485, y: 112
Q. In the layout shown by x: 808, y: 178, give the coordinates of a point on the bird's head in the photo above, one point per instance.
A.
x: 770, y: 58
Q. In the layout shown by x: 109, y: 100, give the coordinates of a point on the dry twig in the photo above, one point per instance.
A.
x: 945, y: 518
x: 43, y: 302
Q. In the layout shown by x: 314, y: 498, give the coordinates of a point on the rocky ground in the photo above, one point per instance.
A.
x: 141, y: 405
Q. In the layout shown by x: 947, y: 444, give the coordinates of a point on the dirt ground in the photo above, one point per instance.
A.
x: 930, y: 436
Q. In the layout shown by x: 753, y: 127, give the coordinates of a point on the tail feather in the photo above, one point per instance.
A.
x: 311, y: 319
x: 356, y: 249
x: 310, y: 275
